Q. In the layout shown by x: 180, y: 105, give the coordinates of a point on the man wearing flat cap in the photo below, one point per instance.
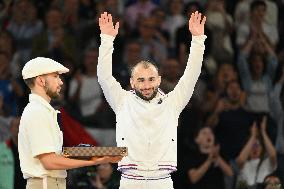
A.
x: 40, y: 139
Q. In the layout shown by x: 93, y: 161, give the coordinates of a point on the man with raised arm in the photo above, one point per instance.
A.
x: 147, y: 119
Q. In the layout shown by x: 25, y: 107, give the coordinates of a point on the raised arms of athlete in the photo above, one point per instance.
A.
x: 183, y: 91
x: 112, y: 90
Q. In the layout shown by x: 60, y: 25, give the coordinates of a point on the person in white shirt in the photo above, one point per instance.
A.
x: 257, y: 158
x: 147, y: 119
x: 40, y: 139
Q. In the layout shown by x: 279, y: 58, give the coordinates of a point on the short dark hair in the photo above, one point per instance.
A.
x: 30, y: 82
x: 197, y: 130
x: 256, y: 4
x: 146, y: 64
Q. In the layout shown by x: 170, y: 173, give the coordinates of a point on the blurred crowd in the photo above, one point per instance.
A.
x: 231, y: 134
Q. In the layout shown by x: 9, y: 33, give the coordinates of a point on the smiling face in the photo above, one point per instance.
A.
x: 145, y: 80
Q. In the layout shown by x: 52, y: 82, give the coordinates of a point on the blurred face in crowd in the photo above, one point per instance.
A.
x: 90, y: 61
x: 256, y: 150
x: 259, y: 12
x: 205, y: 138
x: 133, y: 53
x: 170, y: 69
x: 104, y: 171
x: 71, y: 5
x: 54, y: 19
x: 145, y: 81
x: 147, y: 28
x: 272, y: 182
x: 257, y: 66
x: 159, y: 16
x: 21, y: 11
x: 176, y: 7
x: 234, y: 92
x: 226, y: 73
x: 51, y: 84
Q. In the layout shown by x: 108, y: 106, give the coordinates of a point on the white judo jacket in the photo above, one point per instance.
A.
x: 148, y: 128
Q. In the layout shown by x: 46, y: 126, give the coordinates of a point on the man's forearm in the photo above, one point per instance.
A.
x: 53, y: 161
x: 184, y: 89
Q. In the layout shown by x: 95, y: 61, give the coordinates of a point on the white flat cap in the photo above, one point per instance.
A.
x: 40, y: 66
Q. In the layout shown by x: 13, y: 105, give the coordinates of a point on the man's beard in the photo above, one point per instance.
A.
x: 51, y: 94
x: 138, y: 93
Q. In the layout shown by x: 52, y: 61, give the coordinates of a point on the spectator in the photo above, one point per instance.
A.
x: 10, y: 172
x: 7, y: 46
x: 84, y: 89
x: 24, y: 26
x: 132, y: 55
x: 135, y: 12
x: 257, y: 65
x: 153, y: 48
x: 216, y: 88
x: 220, y: 24
x: 105, y: 177
x: 4, y: 122
x: 253, y: 162
x: 174, y: 20
x: 272, y: 181
x: 10, y: 88
x: 257, y: 25
x: 277, y: 111
x: 231, y: 121
x: 54, y: 42
x: 205, y: 166
x: 170, y: 72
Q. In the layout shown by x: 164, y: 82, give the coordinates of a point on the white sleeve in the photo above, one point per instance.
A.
x: 183, y: 91
x: 112, y: 90
x: 39, y: 134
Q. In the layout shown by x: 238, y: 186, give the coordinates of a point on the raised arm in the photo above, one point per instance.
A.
x: 111, y: 88
x: 243, y: 156
x: 267, y: 143
x: 184, y: 89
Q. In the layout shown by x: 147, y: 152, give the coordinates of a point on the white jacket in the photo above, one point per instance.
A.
x: 148, y: 128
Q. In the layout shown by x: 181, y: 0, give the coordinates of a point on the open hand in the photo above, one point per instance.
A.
x: 196, y: 25
x: 106, y: 25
